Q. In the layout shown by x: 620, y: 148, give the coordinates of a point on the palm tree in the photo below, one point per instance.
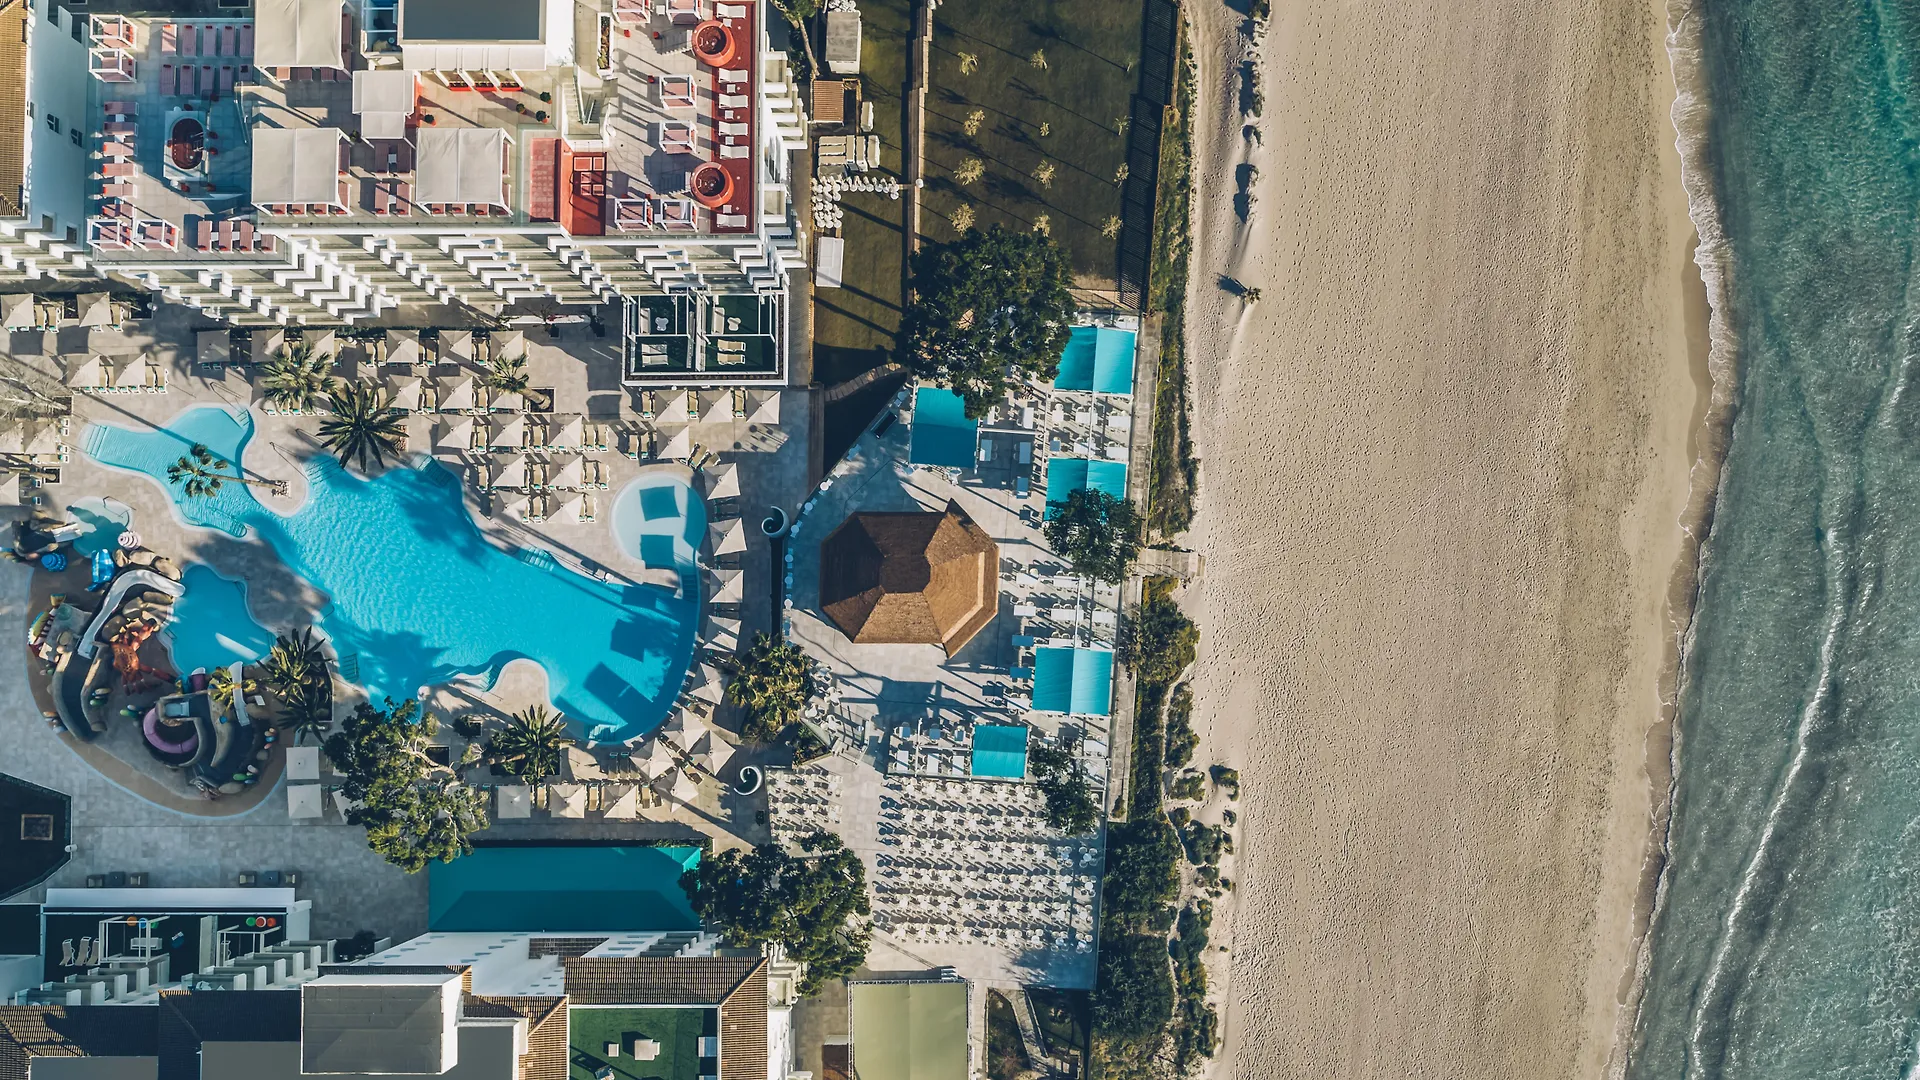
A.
x: 531, y: 744
x: 200, y: 473
x: 773, y: 682
x: 363, y: 428
x: 295, y: 663
x: 220, y: 687
x: 296, y: 380
x: 308, y: 713
x: 508, y: 375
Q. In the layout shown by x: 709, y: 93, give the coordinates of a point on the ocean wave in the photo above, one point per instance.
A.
x: 1692, y: 119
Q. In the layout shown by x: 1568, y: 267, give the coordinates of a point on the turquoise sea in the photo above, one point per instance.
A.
x: 1787, y: 941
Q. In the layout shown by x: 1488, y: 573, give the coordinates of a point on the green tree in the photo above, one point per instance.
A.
x: 201, y: 473
x: 1158, y: 643
x: 414, y: 810
x: 531, y: 745
x: 1070, y: 804
x: 364, y: 428
x: 987, y: 307
x: 295, y: 379
x: 1095, y: 532
x: 772, y: 681
x: 814, y: 904
x: 507, y: 375
x: 1133, y: 994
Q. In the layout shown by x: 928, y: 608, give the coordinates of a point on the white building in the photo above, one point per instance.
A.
x: 320, y: 163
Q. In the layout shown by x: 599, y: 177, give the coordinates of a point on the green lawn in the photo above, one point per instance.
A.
x: 854, y: 325
x: 678, y: 1031
x: 1091, y: 50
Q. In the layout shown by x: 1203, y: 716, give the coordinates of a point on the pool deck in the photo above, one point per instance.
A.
x: 130, y: 814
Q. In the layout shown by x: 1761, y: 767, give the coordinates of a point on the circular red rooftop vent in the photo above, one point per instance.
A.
x: 715, y: 43
x: 712, y: 185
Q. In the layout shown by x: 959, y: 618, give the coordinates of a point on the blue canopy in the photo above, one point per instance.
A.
x: 1066, y: 475
x: 1000, y: 750
x: 1073, y: 680
x: 1098, y: 358
x: 942, y: 434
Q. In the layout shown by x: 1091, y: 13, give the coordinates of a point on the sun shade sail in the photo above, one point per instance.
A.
x: 462, y: 165
x: 296, y: 165
x: 297, y: 33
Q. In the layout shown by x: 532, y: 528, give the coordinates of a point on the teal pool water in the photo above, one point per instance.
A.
x: 659, y: 521
x: 104, y: 519
x: 942, y: 434
x: 552, y: 889
x: 417, y: 595
x: 212, y: 627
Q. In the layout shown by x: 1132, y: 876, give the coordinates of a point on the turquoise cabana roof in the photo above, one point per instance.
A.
x: 1066, y: 475
x: 1098, y: 358
x: 1000, y: 750
x: 942, y: 434
x: 555, y: 889
x: 1073, y: 680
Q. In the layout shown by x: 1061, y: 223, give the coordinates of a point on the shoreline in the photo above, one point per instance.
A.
x: 1615, y: 784
x: 1716, y: 357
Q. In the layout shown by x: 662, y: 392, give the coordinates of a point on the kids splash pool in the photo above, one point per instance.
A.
x: 417, y: 595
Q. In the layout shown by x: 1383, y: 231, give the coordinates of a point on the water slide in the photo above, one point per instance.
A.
x: 89, y: 641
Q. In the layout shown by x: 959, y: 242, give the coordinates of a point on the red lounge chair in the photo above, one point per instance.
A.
x: 203, y: 235
x: 169, y: 39
x: 246, y: 39
x: 189, y: 41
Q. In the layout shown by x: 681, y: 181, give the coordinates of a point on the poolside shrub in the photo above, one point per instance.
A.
x: 1097, y: 533
x: 1158, y: 642
x: 986, y: 307
x: 814, y: 905
x: 531, y: 745
x: 414, y: 810
x: 297, y: 672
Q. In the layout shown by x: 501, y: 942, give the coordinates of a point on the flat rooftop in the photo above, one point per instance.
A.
x: 470, y: 20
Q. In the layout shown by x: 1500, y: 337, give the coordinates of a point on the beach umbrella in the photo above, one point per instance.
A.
x: 86, y: 372
x: 717, y: 406
x: 657, y: 762
x: 683, y: 730
x: 728, y: 537
x: 582, y: 765
x: 456, y: 393
x: 507, y: 430
x: 213, y: 346
x: 678, y: 446
x: 625, y: 806
x: 345, y: 805
x: 723, y: 481
x: 41, y: 440
x: 13, y: 439
x: 507, y: 401
x: 456, y: 345
x: 97, y: 310
x: 507, y: 471
x: 303, y: 801
x: 765, y: 407
x: 675, y: 410
x: 267, y: 343
x: 567, y: 800
x: 707, y: 684
x: 567, y: 432
x: 512, y: 507
x: 9, y: 489
x: 511, y: 345
x: 684, y: 790
x: 713, y: 753
x: 303, y: 763
x: 726, y: 589
x: 566, y: 509
x: 723, y: 634
x: 567, y: 472
x: 132, y: 373
x: 405, y: 390
x: 403, y: 347
x: 16, y: 311
x: 454, y: 433
x: 324, y: 343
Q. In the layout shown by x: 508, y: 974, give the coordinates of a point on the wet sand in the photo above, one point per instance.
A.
x: 1447, y: 462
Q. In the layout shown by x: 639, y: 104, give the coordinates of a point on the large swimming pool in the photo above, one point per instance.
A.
x: 417, y: 595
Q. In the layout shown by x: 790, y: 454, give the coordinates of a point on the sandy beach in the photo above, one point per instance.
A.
x: 1448, y: 466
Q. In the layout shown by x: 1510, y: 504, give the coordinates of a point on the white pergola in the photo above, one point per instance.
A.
x: 297, y: 165
x: 461, y: 166
x: 383, y: 100
x: 297, y: 33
